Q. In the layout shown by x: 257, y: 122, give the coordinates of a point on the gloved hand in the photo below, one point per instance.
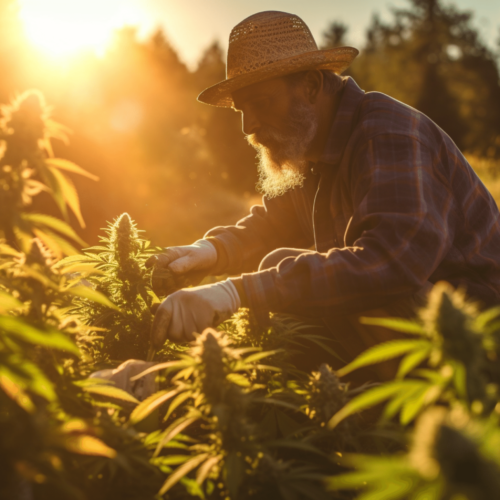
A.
x: 190, y: 261
x: 192, y: 310
x: 141, y: 388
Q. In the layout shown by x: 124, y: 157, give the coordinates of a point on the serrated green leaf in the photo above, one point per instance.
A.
x: 180, y: 472
x: 55, y: 243
x: 70, y: 167
x: 370, y: 398
x: 412, y: 360
x: 89, y: 293
x: 172, y: 459
x: 261, y: 355
x: 413, y: 405
x: 397, y: 324
x: 382, y: 352
x: 238, y: 379
x: 46, y: 338
x: 88, y: 445
x: 176, y: 403
x: 110, y: 391
x: 43, y: 220
x: 150, y: 404
x: 69, y: 193
x: 205, y: 469
x: 172, y: 430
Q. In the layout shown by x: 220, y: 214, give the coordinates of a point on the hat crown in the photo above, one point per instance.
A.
x: 265, y: 38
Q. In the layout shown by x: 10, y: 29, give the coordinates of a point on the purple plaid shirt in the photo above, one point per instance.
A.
x: 391, y: 204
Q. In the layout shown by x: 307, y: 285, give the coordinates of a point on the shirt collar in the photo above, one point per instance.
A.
x: 343, y: 123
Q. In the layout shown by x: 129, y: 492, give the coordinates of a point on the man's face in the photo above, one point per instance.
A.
x: 280, y: 124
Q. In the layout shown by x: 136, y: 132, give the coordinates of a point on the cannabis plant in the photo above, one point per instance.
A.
x: 445, y: 380
x: 54, y: 432
x: 116, y: 268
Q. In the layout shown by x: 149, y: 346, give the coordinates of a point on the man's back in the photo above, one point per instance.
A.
x: 408, y: 153
x: 392, y: 204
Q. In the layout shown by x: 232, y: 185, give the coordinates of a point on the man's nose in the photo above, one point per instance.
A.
x: 249, y: 123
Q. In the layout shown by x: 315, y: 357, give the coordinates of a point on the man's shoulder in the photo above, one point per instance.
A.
x: 382, y: 114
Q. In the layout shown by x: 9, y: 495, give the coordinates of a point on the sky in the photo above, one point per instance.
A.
x: 191, y: 25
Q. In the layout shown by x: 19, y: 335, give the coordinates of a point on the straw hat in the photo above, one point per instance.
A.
x: 271, y: 44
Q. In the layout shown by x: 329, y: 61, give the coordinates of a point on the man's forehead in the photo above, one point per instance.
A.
x: 257, y: 90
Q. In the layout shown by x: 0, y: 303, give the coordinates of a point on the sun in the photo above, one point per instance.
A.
x: 65, y: 27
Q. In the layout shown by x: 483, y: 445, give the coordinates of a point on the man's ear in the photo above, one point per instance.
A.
x: 313, y: 83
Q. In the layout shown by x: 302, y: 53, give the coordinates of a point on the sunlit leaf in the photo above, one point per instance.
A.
x: 8, y: 302
x: 412, y: 360
x: 70, y: 167
x: 43, y: 220
x: 8, y: 250
x: 69, y: 193
x: 110, y: 391
x: 16, y: 393
x: 91, y: 294
x: 47, y: 338
x: 238, y: 379
x: 397, y: 324
x: 205, y: 469
x: 37, y: 382
x: 176, y: 403
x: 181, y: 472
x: 82, y: 268
x: 460, y: 378
x: 172, y: 459
x: 53, y: 184
x: 160, y: 366
x: 150, y: 404
x: 382, y: 352
x: 88, y: 445
x: 55, y: 243
x: 370, y: 398
x: 261, y: 355
x: 413, y: 405
x: 172, y: 430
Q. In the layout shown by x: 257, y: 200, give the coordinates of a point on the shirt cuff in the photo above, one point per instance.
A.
x: 261, y: 294
x: 222, y: 258
x: 238, y: 284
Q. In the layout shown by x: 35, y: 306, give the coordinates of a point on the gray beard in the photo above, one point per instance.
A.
x: 281, y: 164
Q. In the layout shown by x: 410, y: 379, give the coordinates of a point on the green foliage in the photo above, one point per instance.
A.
x: 448, y: 381
x: 236, y: 416
x: 57, y: 440
x: 120, y: 326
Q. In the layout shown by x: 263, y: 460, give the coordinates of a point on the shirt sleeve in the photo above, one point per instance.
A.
x: 399, y: 232
x: 268, y: 227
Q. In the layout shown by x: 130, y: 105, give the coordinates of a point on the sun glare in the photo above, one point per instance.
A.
x: 66, y: 27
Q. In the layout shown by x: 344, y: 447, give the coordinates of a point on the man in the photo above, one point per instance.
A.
x: 366, y: 203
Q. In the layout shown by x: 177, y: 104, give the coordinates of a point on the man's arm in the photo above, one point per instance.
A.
x: 400, y: 231
x: 274, y: 224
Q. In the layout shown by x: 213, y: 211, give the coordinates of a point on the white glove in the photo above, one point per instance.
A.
x: 141, y: 388
x: 200, y: 255
x: 191, y: 310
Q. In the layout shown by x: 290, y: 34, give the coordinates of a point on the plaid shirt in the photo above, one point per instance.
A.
x: 391, y: 204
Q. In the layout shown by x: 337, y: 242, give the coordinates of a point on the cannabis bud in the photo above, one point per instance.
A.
x: 326, y: 394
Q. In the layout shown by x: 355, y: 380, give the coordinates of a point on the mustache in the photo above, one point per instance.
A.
x: 266, y: 137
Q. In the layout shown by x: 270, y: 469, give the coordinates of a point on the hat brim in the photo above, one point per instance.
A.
x: 337, y: 60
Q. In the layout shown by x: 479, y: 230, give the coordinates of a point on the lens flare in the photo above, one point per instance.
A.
x: 66, y: 27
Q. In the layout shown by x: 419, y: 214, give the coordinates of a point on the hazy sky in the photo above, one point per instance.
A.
x: 192, y: 24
